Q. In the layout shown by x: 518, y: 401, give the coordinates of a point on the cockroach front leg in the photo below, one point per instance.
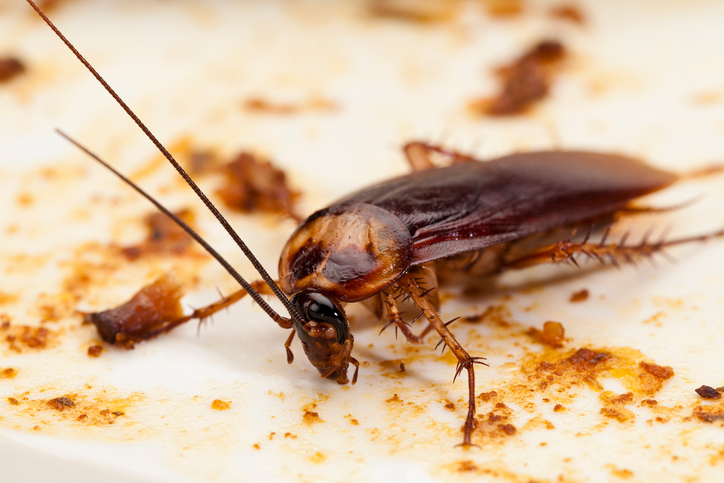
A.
x: 395, y: 317
x: 465, y: 361
x: 205, y: 312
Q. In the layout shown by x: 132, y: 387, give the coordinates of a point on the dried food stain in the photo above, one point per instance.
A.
x: 525, y: 81
x: 220, y: 405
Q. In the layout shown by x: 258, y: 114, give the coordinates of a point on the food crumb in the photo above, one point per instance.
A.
x: 10, y: 67
x: 13, y: 401
x: 508, y: 429
x: 220, y: 405
x: 8, y: 373
x: 95, y: 351
x: 579, y: 296
x: 256, y: 446
x: 558, y: 407
x: 553, y: 334
x: 525, y: 81
x: 311, y: 417
x: 708, y: 392
x: 255, y: 185
x: 61, y: 403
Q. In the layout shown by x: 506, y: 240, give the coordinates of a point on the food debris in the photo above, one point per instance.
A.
x: 579, y: 296
x: 164, y: 236
x: 709, y: 414
x: 553, y: 334
x: 525, y: 81
x: 708, y: 392
x: 155, y: 309
x: 311, y: 417
x: 95, y: 350
x: 422, y: 11
x: 13, y: 401
x: 10, y: 67
x: 61, y: 403
x: 8, y: 373
x: 21, y: 337
x: 569, y: 12
x: 503, y: 8
x: 255, y: 185
x: 265, y: 106
x: 220, y: 405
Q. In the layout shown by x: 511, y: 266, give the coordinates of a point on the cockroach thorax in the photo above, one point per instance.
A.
x: 349, y: 252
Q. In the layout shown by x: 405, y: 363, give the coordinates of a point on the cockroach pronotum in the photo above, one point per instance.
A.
x: 385, y: 244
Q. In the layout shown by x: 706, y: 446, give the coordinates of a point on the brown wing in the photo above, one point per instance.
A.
x: 480, y: 204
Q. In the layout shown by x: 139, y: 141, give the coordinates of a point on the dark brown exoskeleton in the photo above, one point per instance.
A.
x: 391, y: 239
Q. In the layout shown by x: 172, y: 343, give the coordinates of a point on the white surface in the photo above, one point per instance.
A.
x: 631, y: 86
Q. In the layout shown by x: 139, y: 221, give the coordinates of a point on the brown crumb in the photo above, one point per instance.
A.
x: 255, y: 185
x: 220, y: 405
x: 709, y: 414
x: 487, y: 396
x: 155, y: 309
x: 558, y: 407
x: 660, y: 372
x: 579, y: 296
x: 61, y: 403
x: 508, y: 429
x: 256, y: 446
x: 164, y: 236
x: 13, y: 401
x: 95, y: 351
x: 10, y: 67
x: 260, y: 105
x: 568, y: 11
x: 708, y: 392
x: 525, y: 81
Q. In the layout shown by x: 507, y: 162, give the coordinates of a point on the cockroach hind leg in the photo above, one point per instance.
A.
x: 355, y: 363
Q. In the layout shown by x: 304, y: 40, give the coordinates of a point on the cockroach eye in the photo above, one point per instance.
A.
x: 320, y: 309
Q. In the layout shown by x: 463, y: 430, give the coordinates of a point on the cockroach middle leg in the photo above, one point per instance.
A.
x: 395, y: 317
x: 465, y: 360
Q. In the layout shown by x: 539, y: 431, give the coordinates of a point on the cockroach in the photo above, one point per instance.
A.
x: 386, y: 243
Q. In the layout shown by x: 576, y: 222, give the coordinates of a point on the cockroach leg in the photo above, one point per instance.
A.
x: 642, y: 210
x: 614, y: 253
x: 465, y: 361
x: 417, y: 154
x: 287, y: 345
x: 395, y: 317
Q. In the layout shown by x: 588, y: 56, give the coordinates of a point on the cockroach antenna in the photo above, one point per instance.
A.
x: 293, y: 312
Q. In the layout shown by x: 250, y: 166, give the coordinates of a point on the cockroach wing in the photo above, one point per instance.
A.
x: 475, y: 205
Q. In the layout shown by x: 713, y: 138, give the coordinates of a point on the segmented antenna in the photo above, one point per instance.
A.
x: 240, y: 243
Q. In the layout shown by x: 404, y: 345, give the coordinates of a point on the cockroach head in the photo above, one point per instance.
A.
x: 324, y: 335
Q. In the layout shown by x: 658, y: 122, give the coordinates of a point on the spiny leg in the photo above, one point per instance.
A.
x: 465, y: 361
x: 395, y: 317
x: 614, y: 253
